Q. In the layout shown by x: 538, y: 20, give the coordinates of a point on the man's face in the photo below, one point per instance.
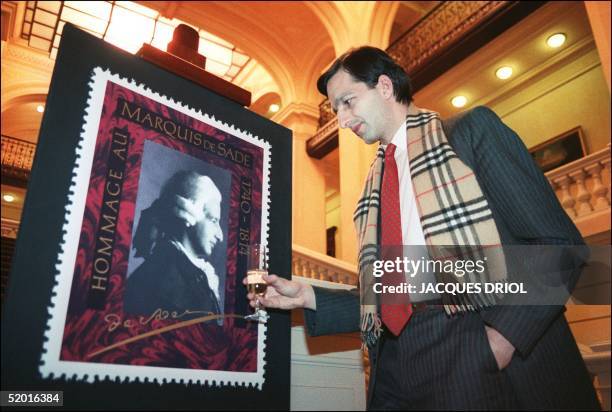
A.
x: 205, y: 234
x: 358, y: 107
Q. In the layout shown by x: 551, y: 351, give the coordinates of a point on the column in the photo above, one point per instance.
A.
x: 599, y: 17
x: 355, y: 159
x: 308, y: 191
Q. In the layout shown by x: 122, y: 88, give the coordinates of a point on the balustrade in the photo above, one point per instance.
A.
x: 313, y: 265
x: 583, y: 186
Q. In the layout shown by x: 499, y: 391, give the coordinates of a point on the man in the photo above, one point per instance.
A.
x: 176, y: 235
x: 469, y: 181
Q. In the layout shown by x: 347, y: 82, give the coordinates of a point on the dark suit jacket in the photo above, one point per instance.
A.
x: 167, y: 280
x: 526, y: 211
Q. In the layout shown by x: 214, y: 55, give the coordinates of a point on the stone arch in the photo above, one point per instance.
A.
x: 334, y: 21
x: 20, y: 119
x: 383, y: 17
x: 377, y: 19
x: 321, y: 59
x: 261, y: 105
x: 23, y: 93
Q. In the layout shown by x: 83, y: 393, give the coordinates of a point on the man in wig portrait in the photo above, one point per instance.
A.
x: 176, y: 236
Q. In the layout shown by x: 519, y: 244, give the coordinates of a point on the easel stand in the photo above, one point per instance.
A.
x: 183, y: 59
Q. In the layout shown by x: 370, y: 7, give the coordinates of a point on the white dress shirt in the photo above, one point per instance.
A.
x: 412, y: 231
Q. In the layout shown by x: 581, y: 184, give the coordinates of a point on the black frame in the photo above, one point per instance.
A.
x: 571, y: 141
x: 24, y: 316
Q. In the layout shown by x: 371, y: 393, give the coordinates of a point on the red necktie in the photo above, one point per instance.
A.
x: 395, y: 307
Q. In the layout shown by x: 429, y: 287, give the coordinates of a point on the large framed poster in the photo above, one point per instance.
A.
x: 157, y: 189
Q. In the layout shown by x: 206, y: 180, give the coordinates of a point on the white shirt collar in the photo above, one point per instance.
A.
x: 203, y: 265
x: 399, y: 138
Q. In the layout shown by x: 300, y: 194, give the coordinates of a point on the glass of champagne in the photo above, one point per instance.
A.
x: 257, y: 266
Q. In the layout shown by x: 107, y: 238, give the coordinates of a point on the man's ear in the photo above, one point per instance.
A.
x: 385, y: 86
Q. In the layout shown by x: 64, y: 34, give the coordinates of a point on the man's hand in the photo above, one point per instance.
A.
x: 501, y: 348
x: 284, y: 294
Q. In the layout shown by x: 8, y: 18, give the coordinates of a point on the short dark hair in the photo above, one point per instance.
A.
x: 366, y: 64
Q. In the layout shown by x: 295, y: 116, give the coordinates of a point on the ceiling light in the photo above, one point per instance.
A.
x: 125, y: 24
x: 459, y: 101
x: 274, y: 108
x: 40, y: 108
x: 556, y: 40
x: 8, y: 198
x: 504, y: 72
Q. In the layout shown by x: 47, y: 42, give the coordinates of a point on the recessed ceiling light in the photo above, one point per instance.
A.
x: 8, y: 198
x: 274, y: 108
x: 556, y: 40
x: 459, y: 101
x: 504, y: 72
x: 40, y: 108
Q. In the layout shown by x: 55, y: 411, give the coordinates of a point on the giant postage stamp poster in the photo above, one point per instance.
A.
x: 164, y: 203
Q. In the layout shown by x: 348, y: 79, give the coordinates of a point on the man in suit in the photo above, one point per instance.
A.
x: 439, y: 354
x: 176, y: 235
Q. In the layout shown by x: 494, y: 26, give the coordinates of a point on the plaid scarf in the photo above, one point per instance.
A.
x: 453, y: 212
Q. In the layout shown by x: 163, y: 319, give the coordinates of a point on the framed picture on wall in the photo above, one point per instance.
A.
x: 559, y: 150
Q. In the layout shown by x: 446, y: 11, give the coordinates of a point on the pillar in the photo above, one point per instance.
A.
x: 355, y: 159
x: 308, y: 191
x: 599, y: 17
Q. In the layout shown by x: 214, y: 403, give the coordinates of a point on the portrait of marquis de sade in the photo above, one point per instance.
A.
x: 179, y: 239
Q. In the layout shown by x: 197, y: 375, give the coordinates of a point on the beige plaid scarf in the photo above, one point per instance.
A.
x: 453, y: 212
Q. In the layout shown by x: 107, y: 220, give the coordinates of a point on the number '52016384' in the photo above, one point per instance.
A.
x: 52, y: 398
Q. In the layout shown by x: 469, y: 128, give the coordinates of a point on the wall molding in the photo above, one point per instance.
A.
x: 25, y: 55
